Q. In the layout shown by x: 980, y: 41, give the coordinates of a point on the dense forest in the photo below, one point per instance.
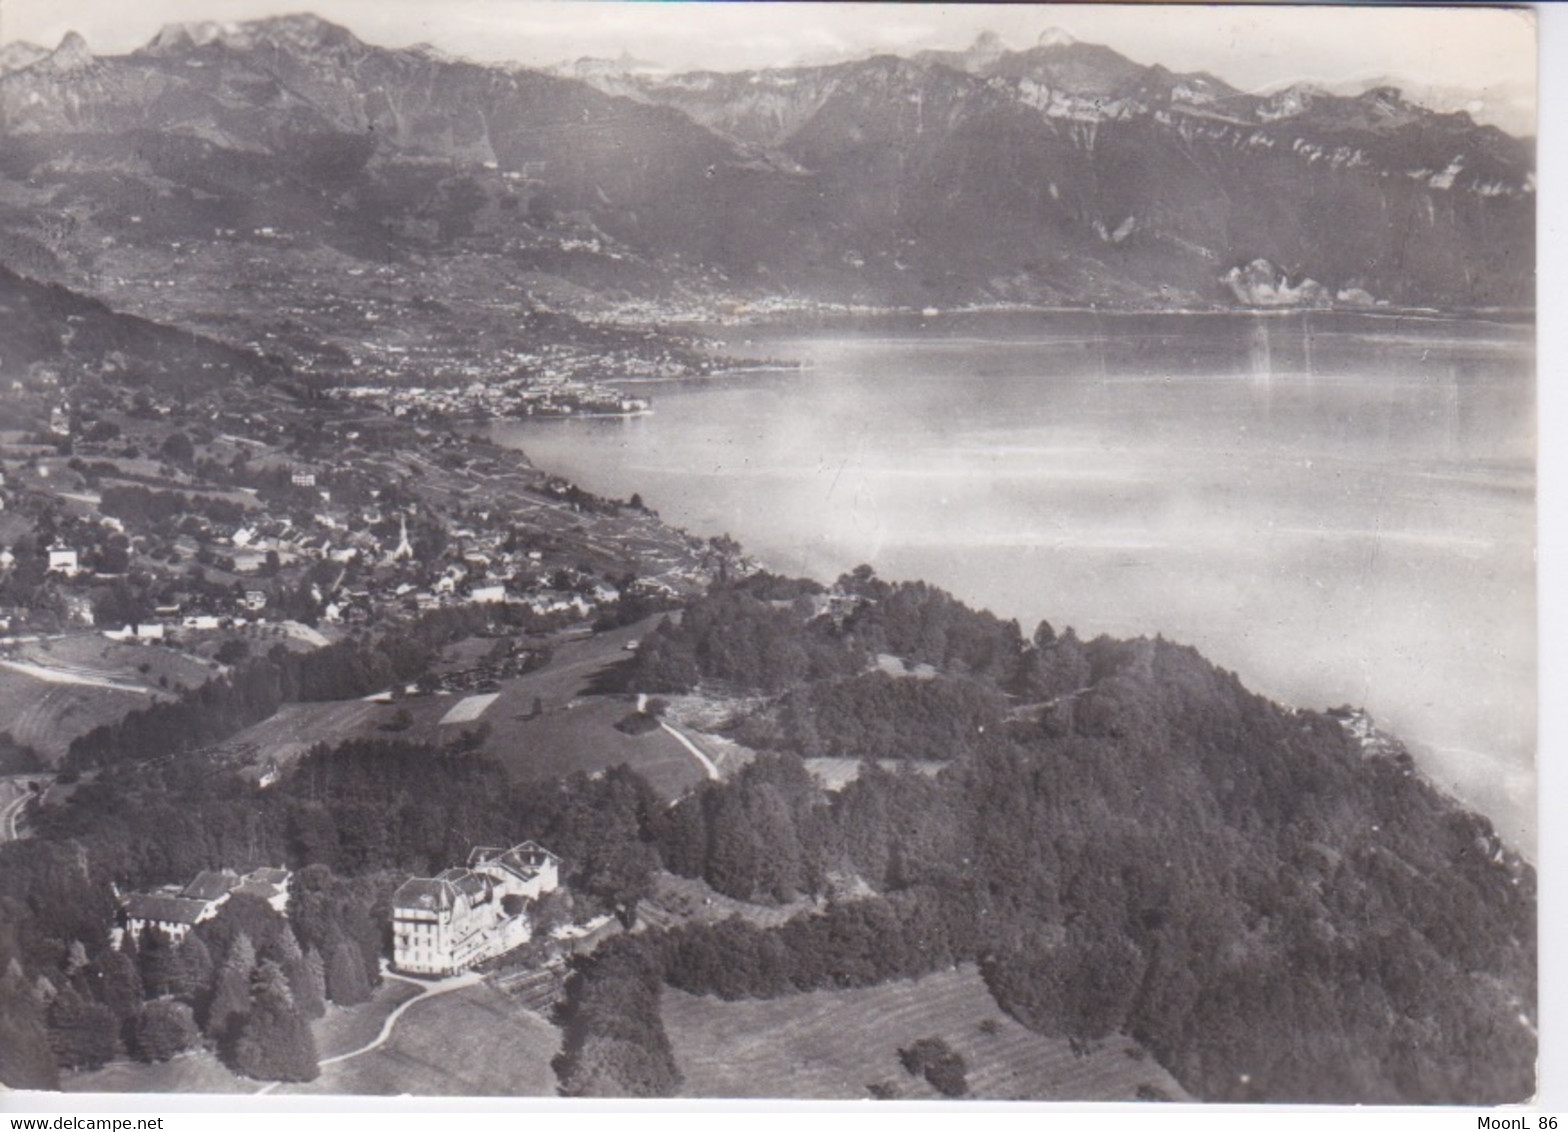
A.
x: 1121, y: 836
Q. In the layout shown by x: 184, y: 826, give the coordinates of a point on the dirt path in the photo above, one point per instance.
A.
x: 707, y: 763
x: 426, y: 991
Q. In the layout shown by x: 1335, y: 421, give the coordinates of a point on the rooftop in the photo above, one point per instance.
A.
x: 424, y: 894
x: 212, y: 884
x: 164, y: 909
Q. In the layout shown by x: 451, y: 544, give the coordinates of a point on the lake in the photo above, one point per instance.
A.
x: 1340, y: 508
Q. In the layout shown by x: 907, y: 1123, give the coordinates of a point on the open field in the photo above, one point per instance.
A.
x: 836, y: 1044
x: 581, y: 737
x: 54, y: 690
x: 47, y: 716
x: 584, y: 737
x: 577, y: 728
x: 472, y: 1042
x: 469, y: 709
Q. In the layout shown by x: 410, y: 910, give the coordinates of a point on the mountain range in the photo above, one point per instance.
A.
x: 281, y: 162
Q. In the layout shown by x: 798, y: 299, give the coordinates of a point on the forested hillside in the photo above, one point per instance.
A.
x: 1124, y: 838
x: 1145, y: 847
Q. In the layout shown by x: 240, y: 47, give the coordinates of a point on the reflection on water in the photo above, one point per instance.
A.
x: 1339, y: 508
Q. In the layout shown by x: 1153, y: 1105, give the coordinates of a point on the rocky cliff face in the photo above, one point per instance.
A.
x: 1065, y: 173
x: 1082, y: 174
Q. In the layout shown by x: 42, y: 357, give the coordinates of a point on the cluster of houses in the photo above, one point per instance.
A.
x: 460, y: 917
x: 175, y: 910
x: 490, y: 399
x: 477, y: 567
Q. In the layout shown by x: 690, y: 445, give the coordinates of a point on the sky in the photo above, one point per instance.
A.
x: 1250, y: 46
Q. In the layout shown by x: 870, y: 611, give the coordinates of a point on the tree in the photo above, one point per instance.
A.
x: 619, y: 871
x: 247, y: 915
x: 120, y: 987
x: 25, y: 1059
x: 614, y: 1043
x: 305, y: 986
x: 231, y: 992
x: 197, y: 972
x: 81, y: 1033
x: 938, y: 1063
x: 313, y: 993
x: 345, y: 975
x: 164, y: 1028
x: 735, y: 852
x: 177, y: 448
x: 159, y: 964
x: 275, y: 1042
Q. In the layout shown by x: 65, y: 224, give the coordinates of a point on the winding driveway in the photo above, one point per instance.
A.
x: 10, y: 816
x: 426, y: 991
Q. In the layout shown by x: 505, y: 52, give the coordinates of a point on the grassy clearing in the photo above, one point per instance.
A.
x: 583, y: 737
x: 678, y: 899
x: 837, y: 1044
x: 576, y: 730
x: 193, y: 1073
x: 472, y: 1042
x: 344, y: 1029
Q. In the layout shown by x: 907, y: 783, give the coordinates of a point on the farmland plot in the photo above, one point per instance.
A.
x: 52, y: 692
x: 839, y: 1044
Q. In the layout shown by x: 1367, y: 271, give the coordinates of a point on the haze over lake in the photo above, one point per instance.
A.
x: 1340, y: 508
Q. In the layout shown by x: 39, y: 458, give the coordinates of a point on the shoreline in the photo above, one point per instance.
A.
x: 806, y: 315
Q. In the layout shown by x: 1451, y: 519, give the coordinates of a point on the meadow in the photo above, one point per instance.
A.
x: 831, y: 1045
